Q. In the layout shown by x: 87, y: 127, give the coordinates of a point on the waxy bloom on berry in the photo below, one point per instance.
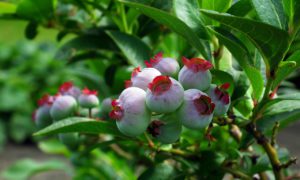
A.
x: 220, y: 97
x: 141, y: 78
x: 197, y: 109
x: 164, y: 95
x: 67, y: 88
x: 42, y: 115
x: 167, y: 66
x: 88, y: 98
x: 63, y: 107
x: 130, y: 112
x: 167, y: 129
x: 195, y: 74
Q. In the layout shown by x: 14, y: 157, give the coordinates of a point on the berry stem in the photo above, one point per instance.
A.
x: 150, y: 142
x: 90, y: 112
x: 237, y: 173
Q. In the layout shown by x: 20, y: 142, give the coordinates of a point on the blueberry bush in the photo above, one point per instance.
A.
x: 193, y: 89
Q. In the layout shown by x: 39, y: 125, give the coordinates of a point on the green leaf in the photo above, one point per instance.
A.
x: 8, y: 8
x: 284, y: 69
x: 296, y: 58
x: 270, y: 41
x: 85, y: 43
x: 242, y: 84
x: 293, y: 96
x: 240, y: 8
x: 241, y: 54
x: 162, y: 171
x: 285, y: 112
x: 25, y: 168
x: 31, y: 30
x: 174, y: 24
x: 244, y: 106
x: 82, y: 125
x: 135, y: 50
x: 216, y: 5
x: 288, y: 6
x: 53, y: 146
x: 271, y: 12
x: 296, y: 22
x: 36, y: 9
x: 188, y: 12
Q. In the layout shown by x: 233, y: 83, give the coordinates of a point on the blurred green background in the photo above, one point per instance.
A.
x: 26, y: 68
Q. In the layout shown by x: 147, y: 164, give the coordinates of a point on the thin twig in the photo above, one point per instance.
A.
x: 274, y: 133
x: 150, y: 142
x: 291, y: 161
x: 269, y: 149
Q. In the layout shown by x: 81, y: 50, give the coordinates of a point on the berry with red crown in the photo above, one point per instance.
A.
x: 166, y: 65
x: 141, y: 78
x: 88, y: 98
x: 68, y: 88
x: 63, y: 107
x: 197, y: 109
x: 195, y: 74
x: 42, y: 115
x: 164, y: 95
x: 130, y: 112
x: 220, y: 97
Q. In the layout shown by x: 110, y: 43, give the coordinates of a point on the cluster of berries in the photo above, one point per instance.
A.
x: 63, y: 105
x: 153, y: 100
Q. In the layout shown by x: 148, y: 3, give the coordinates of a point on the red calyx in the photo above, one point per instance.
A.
x: 47, y: 100
x: 117, y: 110
x: 225, y: 86
x: 204, y: 105
x: 154, y: 128
x: 65, y: 86
x: 222, y: 94
x: 155, y: 60
x: 128, y: 83
x: 87, y: 91
x: 197, y: 64
x: 160, y: 84
x: 136, y: 71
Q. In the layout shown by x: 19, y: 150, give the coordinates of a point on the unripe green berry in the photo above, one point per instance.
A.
x: 130, y: 112
x: 164, y: 95
x: 167, y: 129
x: 197, y: 109
x: 43, y: 117
x: 71, y: 140
x: 88, y: 99
x: 195, y: 74
x: 63, y: 107
x: 167, y: 66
